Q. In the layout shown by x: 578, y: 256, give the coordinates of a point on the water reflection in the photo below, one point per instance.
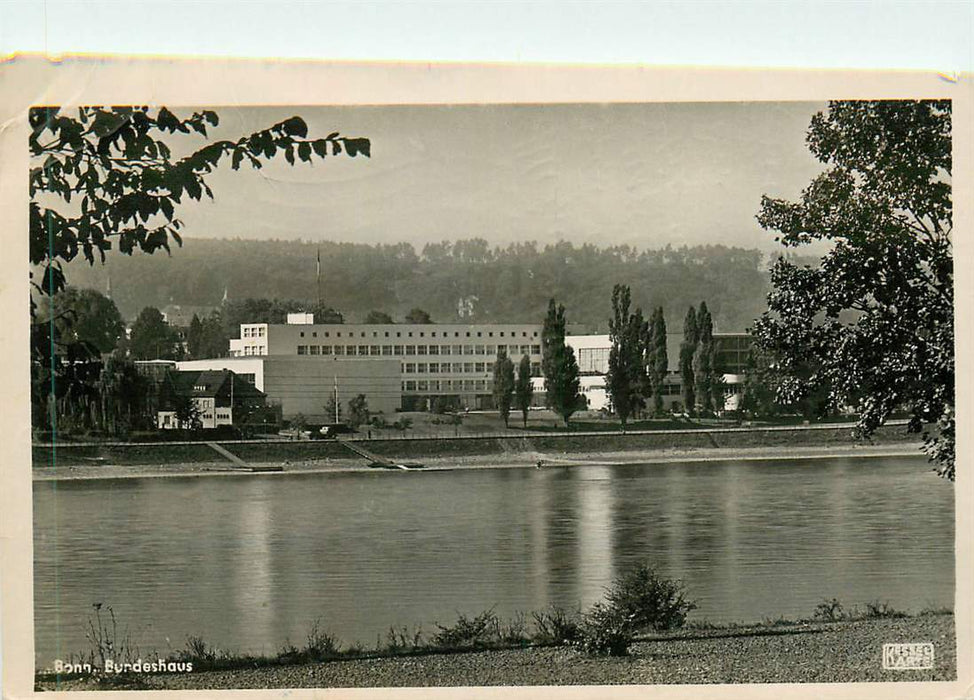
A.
x: 249, y: 562
x: 251, y: 577
x: 595, y: 570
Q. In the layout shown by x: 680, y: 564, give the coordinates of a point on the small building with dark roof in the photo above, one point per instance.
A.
x: 217, y: 397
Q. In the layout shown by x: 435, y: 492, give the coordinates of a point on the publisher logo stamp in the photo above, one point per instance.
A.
x: 907, y: 657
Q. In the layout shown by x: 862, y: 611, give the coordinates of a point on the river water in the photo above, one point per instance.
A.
x: 247, y: 562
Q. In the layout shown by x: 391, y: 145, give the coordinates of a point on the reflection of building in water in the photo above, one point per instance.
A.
x: 571, y: 538
x: 252, y: 582
x: 538, y: 525
x: 595, y: 536
x: 558, y: 556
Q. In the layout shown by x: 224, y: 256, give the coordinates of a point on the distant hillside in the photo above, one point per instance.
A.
x: 465, y: 280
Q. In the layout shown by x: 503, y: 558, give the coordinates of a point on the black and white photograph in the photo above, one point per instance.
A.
x: 514, y: 394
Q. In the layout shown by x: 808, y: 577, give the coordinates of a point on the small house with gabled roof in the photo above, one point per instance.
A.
x: 207, y: 398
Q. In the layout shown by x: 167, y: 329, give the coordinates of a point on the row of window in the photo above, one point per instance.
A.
x: 401, y: 350
x: 458, y: 368
x: 446, y: 385
x: 250, y: 350
x: 422, y: 334
x: 253, y: 332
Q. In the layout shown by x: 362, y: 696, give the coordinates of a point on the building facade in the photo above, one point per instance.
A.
x: 412, y: 366
x: 217, y: 397
x: 454, y: 362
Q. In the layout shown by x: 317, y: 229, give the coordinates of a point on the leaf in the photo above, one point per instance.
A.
x: 237, y: 157
x: 320, y: 147
x: 193, y: 187
x: 356, y: 146
x: 295, y: 126
x: 304, y: 151
x: 167, y: 121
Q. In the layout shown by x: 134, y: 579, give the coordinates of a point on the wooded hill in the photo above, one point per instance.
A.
x: 455, y: 282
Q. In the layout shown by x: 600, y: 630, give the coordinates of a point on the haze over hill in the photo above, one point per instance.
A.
x: 465, y: 280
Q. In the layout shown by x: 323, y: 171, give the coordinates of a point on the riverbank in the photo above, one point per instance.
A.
x: 70, y: 461
x: 512, y: 460
x: 803, y: 652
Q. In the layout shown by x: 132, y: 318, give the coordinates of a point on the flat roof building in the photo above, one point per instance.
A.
x: 454, y: 362
x: 433, y: 360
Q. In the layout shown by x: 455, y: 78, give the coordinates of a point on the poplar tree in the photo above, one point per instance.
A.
x: 705, y: 379
x: 625, y: 380
x: 523, y: 389
x: 552, y: 336
x: 503, y: 385
x: 687, y: 350
x: 562, y: 384
x: 657, y: 360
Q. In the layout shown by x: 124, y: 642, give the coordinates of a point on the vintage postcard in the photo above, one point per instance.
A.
x: 497, y: 381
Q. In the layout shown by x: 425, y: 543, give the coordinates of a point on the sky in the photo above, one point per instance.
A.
x: 929, y: 35
x: 646, y: 175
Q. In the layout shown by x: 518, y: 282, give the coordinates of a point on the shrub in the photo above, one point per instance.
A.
x: 648, y: 600
x: 515, y: 631
x: 398, y: 640
x: 875, y: 609
x: 199, y: 652
x: 829, y: 611
x: 555, y: 625
x: 289, y: 653
x: 469, y: 633
x: 320, y: 645
x: 605, y: 631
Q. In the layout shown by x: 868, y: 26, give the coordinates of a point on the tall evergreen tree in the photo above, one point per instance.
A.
x: 625, y: 380
x: 657, y: 360
x: 552, y: 336
x: 706, y: 384
x: 194, y: 338
x: 558, y: 364
x: 503, y: 385
x: 564, y: 387
x: 523, y: 389
x: 687, y: 350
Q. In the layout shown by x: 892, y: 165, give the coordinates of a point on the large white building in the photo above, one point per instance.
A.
x: 453, y: 361
x: 410, y: 366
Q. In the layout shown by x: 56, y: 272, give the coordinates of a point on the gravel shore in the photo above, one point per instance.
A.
x: 507, y: 460
x: 804, y: 653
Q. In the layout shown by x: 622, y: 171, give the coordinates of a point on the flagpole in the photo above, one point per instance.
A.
x: 318, y: 276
